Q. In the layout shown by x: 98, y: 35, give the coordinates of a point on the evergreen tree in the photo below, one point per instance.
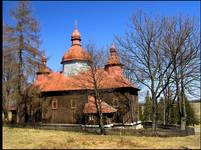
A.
x: 147, y: 108
x: 174, y: 116
x: 141, y: 116
x: 160, y: 110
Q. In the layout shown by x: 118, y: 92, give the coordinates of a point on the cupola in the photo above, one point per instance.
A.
x: 114, y: 65
x: 76, y: 58
x: 76, y: 37
x: 43, y: 70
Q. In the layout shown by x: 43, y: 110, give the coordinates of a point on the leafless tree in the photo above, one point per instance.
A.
x: 167, y: 101
x: 92, y: 77
x: 163, y: 53
x: 142, y: 46
x: 182, y: 42
x: 25, y: 43
x: 9, y: 79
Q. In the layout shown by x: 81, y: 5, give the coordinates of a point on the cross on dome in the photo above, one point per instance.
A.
x: 76, y: 52
x: 113, y: 49
x: 113, y: 46
x: 44, y: 59
x: 76, y: 37
x: 76, y: 23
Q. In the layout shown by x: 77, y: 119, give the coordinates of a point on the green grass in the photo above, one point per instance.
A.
x: 18, y: 138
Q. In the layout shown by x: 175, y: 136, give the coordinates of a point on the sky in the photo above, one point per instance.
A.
x: 98, y: 21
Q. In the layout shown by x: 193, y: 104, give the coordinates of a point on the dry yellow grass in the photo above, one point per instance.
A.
x: 196, y: 108
x: 18, y: 138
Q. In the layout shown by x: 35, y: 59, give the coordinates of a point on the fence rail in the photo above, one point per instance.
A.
x: 164, y: 131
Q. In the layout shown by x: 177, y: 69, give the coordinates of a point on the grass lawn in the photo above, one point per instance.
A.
x: 18, y: 138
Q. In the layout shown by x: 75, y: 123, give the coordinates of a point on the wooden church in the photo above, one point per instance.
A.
x: 65, y: 100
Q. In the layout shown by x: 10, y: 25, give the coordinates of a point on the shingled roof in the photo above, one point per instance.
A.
x: 111, y: 76
x: 113, y: 58
x: 90, y: 107
x: 43, y: 69
x: 56, y: 81
x: 76, y: 52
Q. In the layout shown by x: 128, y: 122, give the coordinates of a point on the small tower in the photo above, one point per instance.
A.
x: 76, y: 37
x: 114, y: 66
x: 76, y: 58
x: 43, y: 70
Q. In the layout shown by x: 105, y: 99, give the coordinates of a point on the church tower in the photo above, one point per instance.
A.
x: 76, y: 58
x: 43, y: 70
x: 114, y: 66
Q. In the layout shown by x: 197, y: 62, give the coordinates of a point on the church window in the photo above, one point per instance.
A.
x: 91, y: 117
x: 73, y: 104
x: 115, y: 102
x: 54, y: 104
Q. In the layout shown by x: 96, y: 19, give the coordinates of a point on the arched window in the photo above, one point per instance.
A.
x: 73, y: 103
x: 91, y: 117
x: 115, y: 102
x: 54, y: 104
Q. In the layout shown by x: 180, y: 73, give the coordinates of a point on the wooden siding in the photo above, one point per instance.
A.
x: 65, y: 113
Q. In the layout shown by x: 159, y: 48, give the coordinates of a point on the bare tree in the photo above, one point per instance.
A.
x: 167, y: 101
x: 9, y: 72
x: 142, y: 46
x: 164, y: 56
x: 182, y: 42
x: 25, y: 43
x: 33, y: 98
x: 92, y: 78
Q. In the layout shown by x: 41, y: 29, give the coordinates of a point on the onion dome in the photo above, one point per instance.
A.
x: 76, y: 52
x: 43, y: 69
x: 114, y: 58
x: 76, y: 37
x: 114, y: 66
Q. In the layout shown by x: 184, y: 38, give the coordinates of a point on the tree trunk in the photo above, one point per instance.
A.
x: 19, y: 120
x: 5, y: 111
x: 154, y: 119
x: 164, y: 112
x: 183, y: 101
x: 100, y: 115
x: 154, y: 107
x: 169, y: 114
x: 183, y: 123
x: 102, y: 131
x: 26, y: 116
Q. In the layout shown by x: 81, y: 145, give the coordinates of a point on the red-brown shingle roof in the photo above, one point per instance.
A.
x: 113, y: 58
x: 110, y: 77
x: 58, y: 82
x: 43, y: 69
x: 90, y: 107
x: 76, y: 52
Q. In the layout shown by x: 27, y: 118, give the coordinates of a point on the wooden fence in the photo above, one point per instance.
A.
x: 162, y: 131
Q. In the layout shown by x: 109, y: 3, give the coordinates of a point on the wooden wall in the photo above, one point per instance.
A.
x: 127, y: 106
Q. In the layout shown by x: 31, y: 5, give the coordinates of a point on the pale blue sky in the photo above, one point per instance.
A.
x: 98, y: 21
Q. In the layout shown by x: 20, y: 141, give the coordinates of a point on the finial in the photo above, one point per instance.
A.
x: 75, y: 37
x: 113, y: 46
x: 76, y: 24
x: 44, y: 59
x: 112, y: 49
